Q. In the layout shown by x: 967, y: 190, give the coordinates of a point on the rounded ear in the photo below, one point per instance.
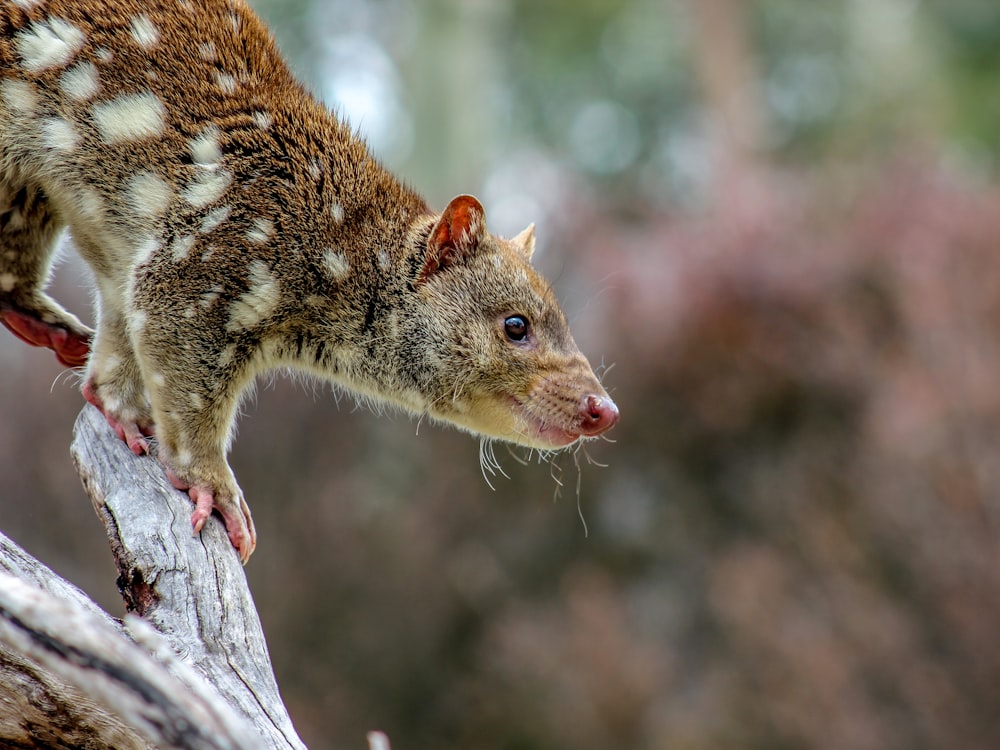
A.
x: 455, y: 236
x: 525, y: 242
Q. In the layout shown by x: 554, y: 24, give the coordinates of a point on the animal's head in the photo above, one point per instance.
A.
x: 510, y: 367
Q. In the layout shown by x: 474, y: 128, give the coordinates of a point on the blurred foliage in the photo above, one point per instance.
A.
x: 968, y: 33
x: 794, y: 544
x: 609, y: 89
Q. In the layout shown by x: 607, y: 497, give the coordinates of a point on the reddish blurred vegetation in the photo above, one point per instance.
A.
x: 811, y: 386
x: 793, y: 545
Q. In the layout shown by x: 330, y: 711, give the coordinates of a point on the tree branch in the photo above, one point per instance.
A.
x: 193, y: 673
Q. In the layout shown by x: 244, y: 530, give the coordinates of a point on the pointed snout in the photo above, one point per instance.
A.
x: 598, y: 414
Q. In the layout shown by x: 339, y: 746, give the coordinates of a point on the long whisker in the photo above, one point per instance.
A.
x: 602, y: 370
x: 553, y: 468
x: 68, y: 375
x: 590, y: 459
x: 495, y: 462
x: 519, y: 459
x: 484, y: 466
x: 579, y: 485
x: 488, y: 463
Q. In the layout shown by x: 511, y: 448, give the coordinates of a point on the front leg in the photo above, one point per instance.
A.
x: 194, y: 389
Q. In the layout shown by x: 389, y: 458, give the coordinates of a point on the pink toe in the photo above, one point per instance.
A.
x: 135, y: 439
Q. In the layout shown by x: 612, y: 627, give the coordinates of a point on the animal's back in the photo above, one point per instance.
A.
x: 115, y: 109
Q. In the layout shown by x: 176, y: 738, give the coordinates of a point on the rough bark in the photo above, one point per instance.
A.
x: 192, y: 672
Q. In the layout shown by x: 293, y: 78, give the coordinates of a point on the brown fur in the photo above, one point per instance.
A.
x: 235, y: 226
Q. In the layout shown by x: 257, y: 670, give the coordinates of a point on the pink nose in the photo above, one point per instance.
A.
x: 598, y: 414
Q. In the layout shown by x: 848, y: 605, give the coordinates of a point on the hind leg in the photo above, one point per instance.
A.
x: 28, y: 232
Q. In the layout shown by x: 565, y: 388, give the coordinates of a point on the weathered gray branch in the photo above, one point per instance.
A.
x: 74, y: 664
x: 193, y: 672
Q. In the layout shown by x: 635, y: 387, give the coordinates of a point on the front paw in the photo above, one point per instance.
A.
x: 231, y: 506
x: 131, y: 429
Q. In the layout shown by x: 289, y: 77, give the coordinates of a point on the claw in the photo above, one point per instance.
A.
x: 134, y: 435
x: 239, y: 526
x: 203, y: 500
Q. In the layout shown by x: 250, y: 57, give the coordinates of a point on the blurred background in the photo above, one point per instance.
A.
x: 776, y: 224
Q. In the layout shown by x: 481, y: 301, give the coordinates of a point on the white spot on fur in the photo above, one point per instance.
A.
x: 104, y: 55
x: 181, y: 246
x: 112, y: 403
x: 205, y: 149
x: 207, y: 188
x: 107, y: 366
x: 315, y: 169
x: 130, y: 117
x: 261, y: 232
x: 225, y: 82
x: 196, y: 400
x: 149, y: 194
x: 88, y: 203
x: 136, y: 321
x: 227, y: 355
x: 145, y: 32
x: 336, y: 264
x: 183, y: 457
x: 48, y: 44
x: 210, y: 297
x: 26, y: 3
x: 214, y: 218
x: 59, y: 134
x: 258, y: 302
x: 144, y: 250
x: 19, y: 96
x: 383, y: 259
x: 8, y: 281
x: 263, y: 120
x: 207, y: 52
x: 337, y: 211
x: 81, y: 82
x: 158, y: 379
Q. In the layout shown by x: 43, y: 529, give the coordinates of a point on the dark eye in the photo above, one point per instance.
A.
x: 516, y: 328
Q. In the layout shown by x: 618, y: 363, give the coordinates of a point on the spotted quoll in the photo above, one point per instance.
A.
x: 233, y: 226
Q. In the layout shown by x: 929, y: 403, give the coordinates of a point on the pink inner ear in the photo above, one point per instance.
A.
x: 456, y: 233
x: 466, y: 216
x: 441, y: 237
